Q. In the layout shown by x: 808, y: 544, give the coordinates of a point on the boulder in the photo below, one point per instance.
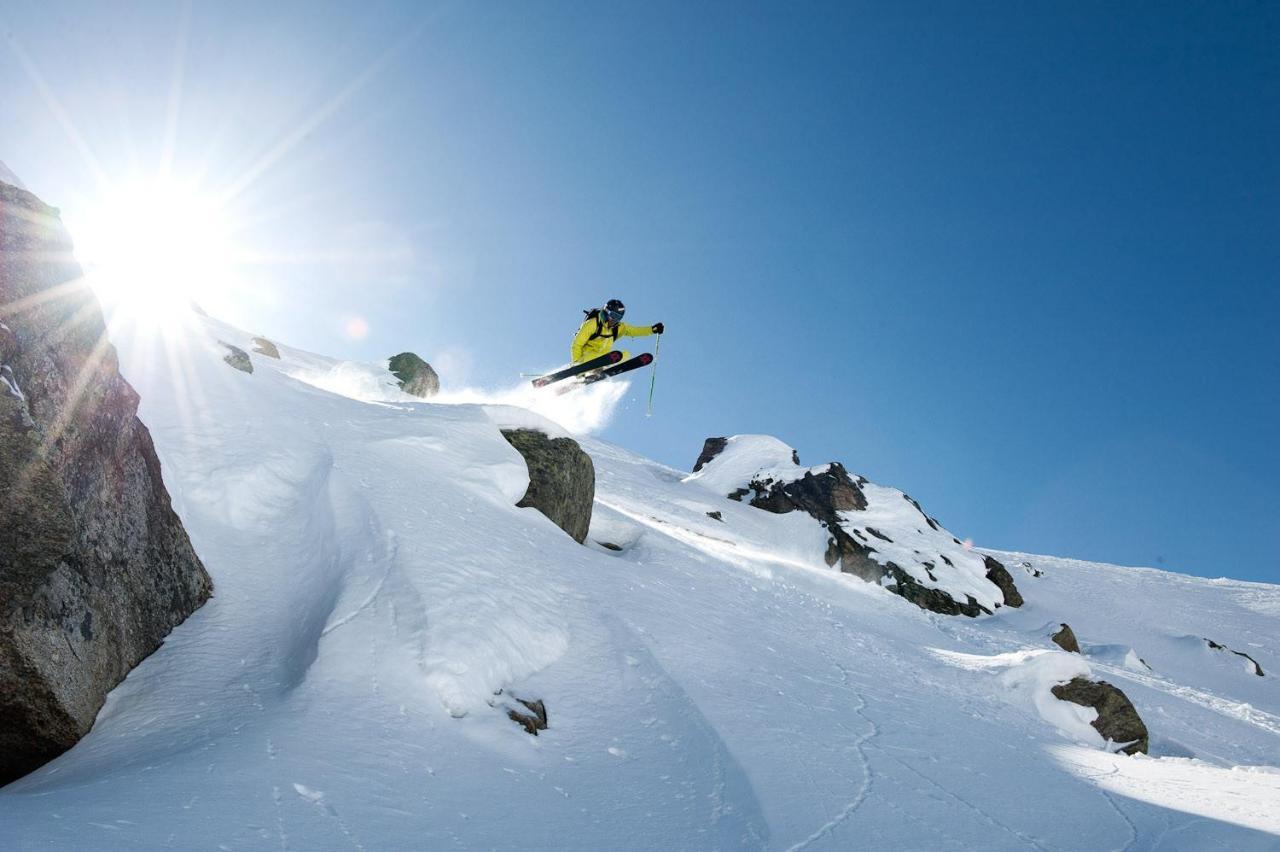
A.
x: 237, y: 358
x: 562, y: 479
x: 1065, y: 639
x: 265, y: 347
x: 1118, y: 721
x: 415, y: 375
x: 95, y: 566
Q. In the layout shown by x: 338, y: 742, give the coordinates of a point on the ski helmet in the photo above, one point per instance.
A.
x: 614, y: 309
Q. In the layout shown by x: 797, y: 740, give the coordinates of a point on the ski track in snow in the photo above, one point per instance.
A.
x: 858, y: 745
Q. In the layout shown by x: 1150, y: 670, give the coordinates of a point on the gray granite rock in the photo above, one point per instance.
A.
x: 95, y: 566
x: 562, y: 479
x: 416, y: 376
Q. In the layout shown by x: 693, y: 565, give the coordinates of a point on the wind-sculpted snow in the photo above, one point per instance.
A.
x: 710, y: 684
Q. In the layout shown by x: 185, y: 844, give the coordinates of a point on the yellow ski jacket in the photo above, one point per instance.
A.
x: 595, y: 338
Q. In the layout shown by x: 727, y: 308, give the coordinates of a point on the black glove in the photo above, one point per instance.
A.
x: 657, y: 328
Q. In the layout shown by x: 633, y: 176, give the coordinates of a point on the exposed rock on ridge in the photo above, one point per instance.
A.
x: 834, y: 498
x: 416, y: 376
x: 562, y: 479
x: 95, y: 567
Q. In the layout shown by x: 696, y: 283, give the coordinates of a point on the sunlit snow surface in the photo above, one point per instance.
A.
x: 713, y: 684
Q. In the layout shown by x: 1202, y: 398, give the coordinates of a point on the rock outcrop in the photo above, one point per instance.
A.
x: 95, y: 566
x: 562, y: 479
x: 998, y: 574
x: 415, y: 375
x: 1257, y: 669
x: 265, y: 347
x: 1065, y: 639
x: 769, y: 477
x: 1117, y: 721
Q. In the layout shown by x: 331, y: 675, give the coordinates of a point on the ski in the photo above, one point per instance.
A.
x: 595, y: 363
x: 641, y: 360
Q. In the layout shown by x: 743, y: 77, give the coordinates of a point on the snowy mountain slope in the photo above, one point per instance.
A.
x: 711, y: 684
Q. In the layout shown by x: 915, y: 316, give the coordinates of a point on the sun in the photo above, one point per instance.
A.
x: 153, y: 247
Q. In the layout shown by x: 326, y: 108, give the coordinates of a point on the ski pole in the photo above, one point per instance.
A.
x: 653, y: 376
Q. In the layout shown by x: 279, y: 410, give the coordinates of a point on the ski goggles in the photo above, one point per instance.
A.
x: 614, y: 316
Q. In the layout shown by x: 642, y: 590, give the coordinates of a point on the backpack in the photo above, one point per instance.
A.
x: 594, y: 314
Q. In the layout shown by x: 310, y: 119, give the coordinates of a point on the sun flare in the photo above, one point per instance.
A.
x: 153, y: 247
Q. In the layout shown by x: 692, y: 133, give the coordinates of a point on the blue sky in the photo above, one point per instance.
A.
x: 1018, y: 259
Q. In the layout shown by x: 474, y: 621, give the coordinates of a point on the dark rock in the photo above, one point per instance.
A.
x: 1117, y: 721
x: 875, y: 532
x: 562, y: 479
x: 95, y: 567
x: 821, y: 495
x: 608, y: 545
x: 1257, y: 669
x: 934, y: 600
x: 998, y: 574
x: 715, y: 516
x: 265, y: 347
x: 739, y: 494
x: 530, y: 715
x: 1065, y: 639
x: 237, y: 358
x: 711, y: 448
x: 415, y: 375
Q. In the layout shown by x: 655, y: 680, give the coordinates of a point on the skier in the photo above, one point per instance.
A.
x: 601, y: 329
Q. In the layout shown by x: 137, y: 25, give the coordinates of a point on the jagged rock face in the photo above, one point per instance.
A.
x: 562, y: 479
x: 415, y: 375
x: 95, y: 567
x: 265, y: 347
x: 835, y: 499
x: 1117, y: 720
x: 1065, y: 639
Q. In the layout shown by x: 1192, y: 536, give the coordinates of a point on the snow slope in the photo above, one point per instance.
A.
x: 710, y: 684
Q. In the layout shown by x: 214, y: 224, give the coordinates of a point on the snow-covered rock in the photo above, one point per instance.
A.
x: 876, y: 533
